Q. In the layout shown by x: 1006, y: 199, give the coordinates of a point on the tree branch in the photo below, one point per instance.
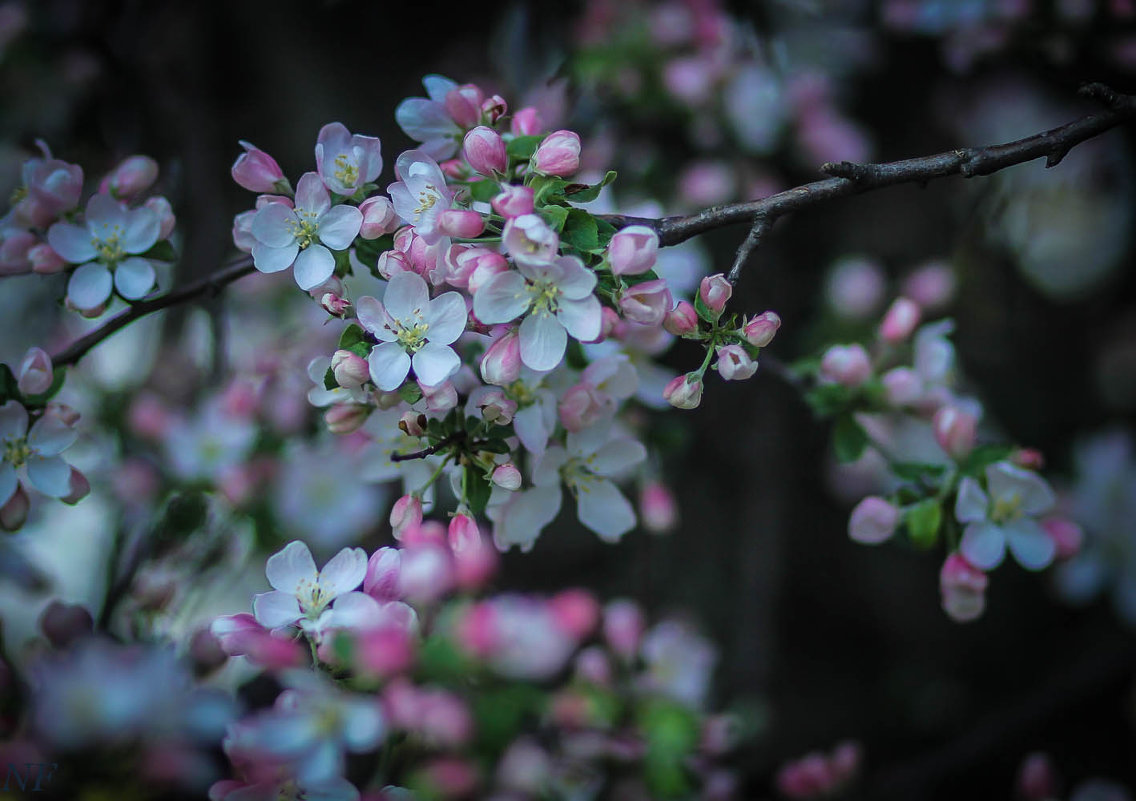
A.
x: 853, y: 179
x: 208, y: 286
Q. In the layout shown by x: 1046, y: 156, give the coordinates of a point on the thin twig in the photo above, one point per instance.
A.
x: 853, y: 179
x: 430, y: 451
x: 208, y: 286
x: 760, y: 227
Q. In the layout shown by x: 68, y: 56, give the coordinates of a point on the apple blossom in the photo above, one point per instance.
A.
x: 34, y: 453
x: 304, y: 235
x: 734, y: 364
x: 429, y: 121
x: 684, y: 391
x: 873, y: 521
x: 714, y: 291
x: 50, y: 188
x: 760, y: 330
x: 420, y: 194
x: 35, y: 374
x: 301, y: 593
x: 1003, y: 515
x: 558, y: 154
x: 646, y: 303
x: 632, y: 250
x: 530, y: 240
x: 346, y: 162
x: 414, y: 330
x: 484, y: 149
x: 379, y: 217
x: 257, y: 171
x: 464, y: 104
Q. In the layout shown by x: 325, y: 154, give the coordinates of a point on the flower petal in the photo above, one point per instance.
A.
x: 274, y: 225
x: 502, y: 298
x: 531, y: 429
x: 314, y: 265
x: 389, y: 364
x: 339, y: 226
x: 8, y: 482
x: 616, y: 456
x: 72, y: 242
x: 274, y: 610
x: 406, y: 297
x: 576, y: 281
x: 13, y: 420
x: 582, y: 318
x: 446, y: 316
x: 524, y: 515
x: 142, y: 229
x: 51, y: 436
x: 311, y: 194
x: 983, y: 545
x: 50, y: 475
x: 972, y: 504
x: 89, y: 286
x: 1030, y: 545
x: 434, y: 363
x: 543, y: 340
x: 1006, y: 480
x: 291, y: 566
x: 134, y: 277
x: 344, y: 572
x: 268, y: 259
x: 602, y: 508
x: 373, y: 316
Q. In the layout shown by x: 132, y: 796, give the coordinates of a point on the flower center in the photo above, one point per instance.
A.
x: 345, y: 172
x: 545, y: 297
x: 305, y: 227
x: 108, y: 247
x: 16, y: 451
x: 312, y: 597
x: 413, y: 336
x: 1007, y: 508
x: 427, y: 197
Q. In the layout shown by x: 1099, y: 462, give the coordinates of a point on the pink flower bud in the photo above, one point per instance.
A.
x: 963, y: 589
x: 873, y: 521
x: 413, y: 424
x: 647, y: 302
x: 461, y: 223
x: 496, y: 408
x: 426, y: 573
x: 350, y: 371
x: 64, y: 413
x: 381, y: 579
x: 507, y: 476
x: 558, y: 154
x: 440, y: 398
x: 486, y: 265
x: 715, y: 291
x: 379, y: 217
x: 501, y: 364
x: 343, y: 418
x: 526, y: 122
x: 494, y: 108
x: 903, y: 385
x: 464, y: 104
x: 456, y: 169
x: 1037, y: 778
x: 681, y: 320
x: 79, y: 488
x: 45, y: 261
x: 633, y: 250
x: 684, y: 391
x: 900, y: 320
x: 334, y: 305
x: 15, y: 245
x: 580, y: 407
x: 575, y: 612
x: 14, y: 513
x: 1066, y: 535
x: 165, y: 213
x: 623, y: 627
x: 383, y: 652
x: 35, y: 375
x: 134, y: 175
x: 609, y: 321
x: 463, y: 533
x: 657, y: 508
x: 406, y: 512
x: 955, y: 430
x: 484, y: 149
x: 514, y: 201
x: 846, y: 364
x: 393, y: 262
x: 734, y: 364
x: 760, y: 331
x: 257, y: 171
x: 63, y: 623
x: 932, y: 286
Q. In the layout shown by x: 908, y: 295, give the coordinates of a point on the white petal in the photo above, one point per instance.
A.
x: 373, y: 316
x: 355, y: 610
x: 438, y: 86
x: 363, y: 724
x: 434, y: 363
x: 972, y: 504
x: 344, y: 572
x: 288, y: 568
x: 89, y: 286
x: 1029, y: 544
x: 543, y: 340
x: 389, y: 365
x: 8, y: 482
x: 13, y: 420
x: 525, y: 515
x: 616, y: 456
x: 314, y: 265
x: 273, y: 225
x: 72, y: 242
x: 446, y: 315
x: 339, y: 226
x: 406, y: 296
x: 51, y: 436
x: 142, y: 230
x: 270, y: 259
x: 983, y: 545
x: 105, y: 213
x: 1006, y: 480
x: 531, y: 429
x: 311, y: 194
x: 274, y: 610
x: 424, y: 119
x: 134, y: 277
x: 502, y: 298
x: 582, y: 318
x: 576, y: 281
x: 51, y: 476
x: 602, y: 508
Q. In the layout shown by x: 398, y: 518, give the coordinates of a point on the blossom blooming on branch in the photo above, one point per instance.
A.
x: 34, y: 454
x: 1004, y: 515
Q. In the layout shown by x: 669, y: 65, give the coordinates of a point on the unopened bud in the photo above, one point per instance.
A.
x: 734, y: 364
x: 379, y: 217
x: 406, y: 513
x: 343, y: 418
x: 334, y: 305
x: 657, y: 508
x: 36, y: 372
x: 464, y: 104
x: 681, y: 320
x: 760, y: 331
x: 14, y: 513
x: 257, y: 171
x: 715, y: 291
x: 846, y: 364
x: 507, y: 476
x: 165, y: 213
x: 900, y: 320
x: 873, y: 521
x: 494, y: 108
x: 501, y: 364
x: 484, y: 149
x: 526, y: 122
x: 514, y: 201
x: 963, y: 588
x: 633, y: 250
x: 558, y: 154
x: 79, y: 488
x: 684, y: 391
x: 955, y: 430
x: 45, y: 261
x: 134, y: 175
x: 350, y: 370
x: 461, y: 223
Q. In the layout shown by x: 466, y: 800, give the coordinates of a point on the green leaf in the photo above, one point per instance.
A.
x: 975, y: 463
x: 828, y: 400
x: 848, y: 439
x: 672, y: 734
x: 329, y: 381
x: 161, y: 251
x: 522, y: 147
x: 354, y: 339
x: 494, y: 445
x: 555, y: 216
x: 484, y: 191
x: 923, y: 521
x: 574, y: 355
x: 580, y: 231
x: 585, y: 193
x: 439, y: 659
x: 502, y: 712
x: 8, y: 385
x: 915, y: 471
x: 477, y: 489
x: 410, y: 392
x: 547, y: 189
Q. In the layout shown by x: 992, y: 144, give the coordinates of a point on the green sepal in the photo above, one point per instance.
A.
x: 521, y: 148
x: 161, y: 251
x: 916, y: 471
x: 704, y: 311
x: 827, y: 400
x: 672, y: 733
x: 849, y: 439
x: 410, y: 392
x: 923, y: 521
